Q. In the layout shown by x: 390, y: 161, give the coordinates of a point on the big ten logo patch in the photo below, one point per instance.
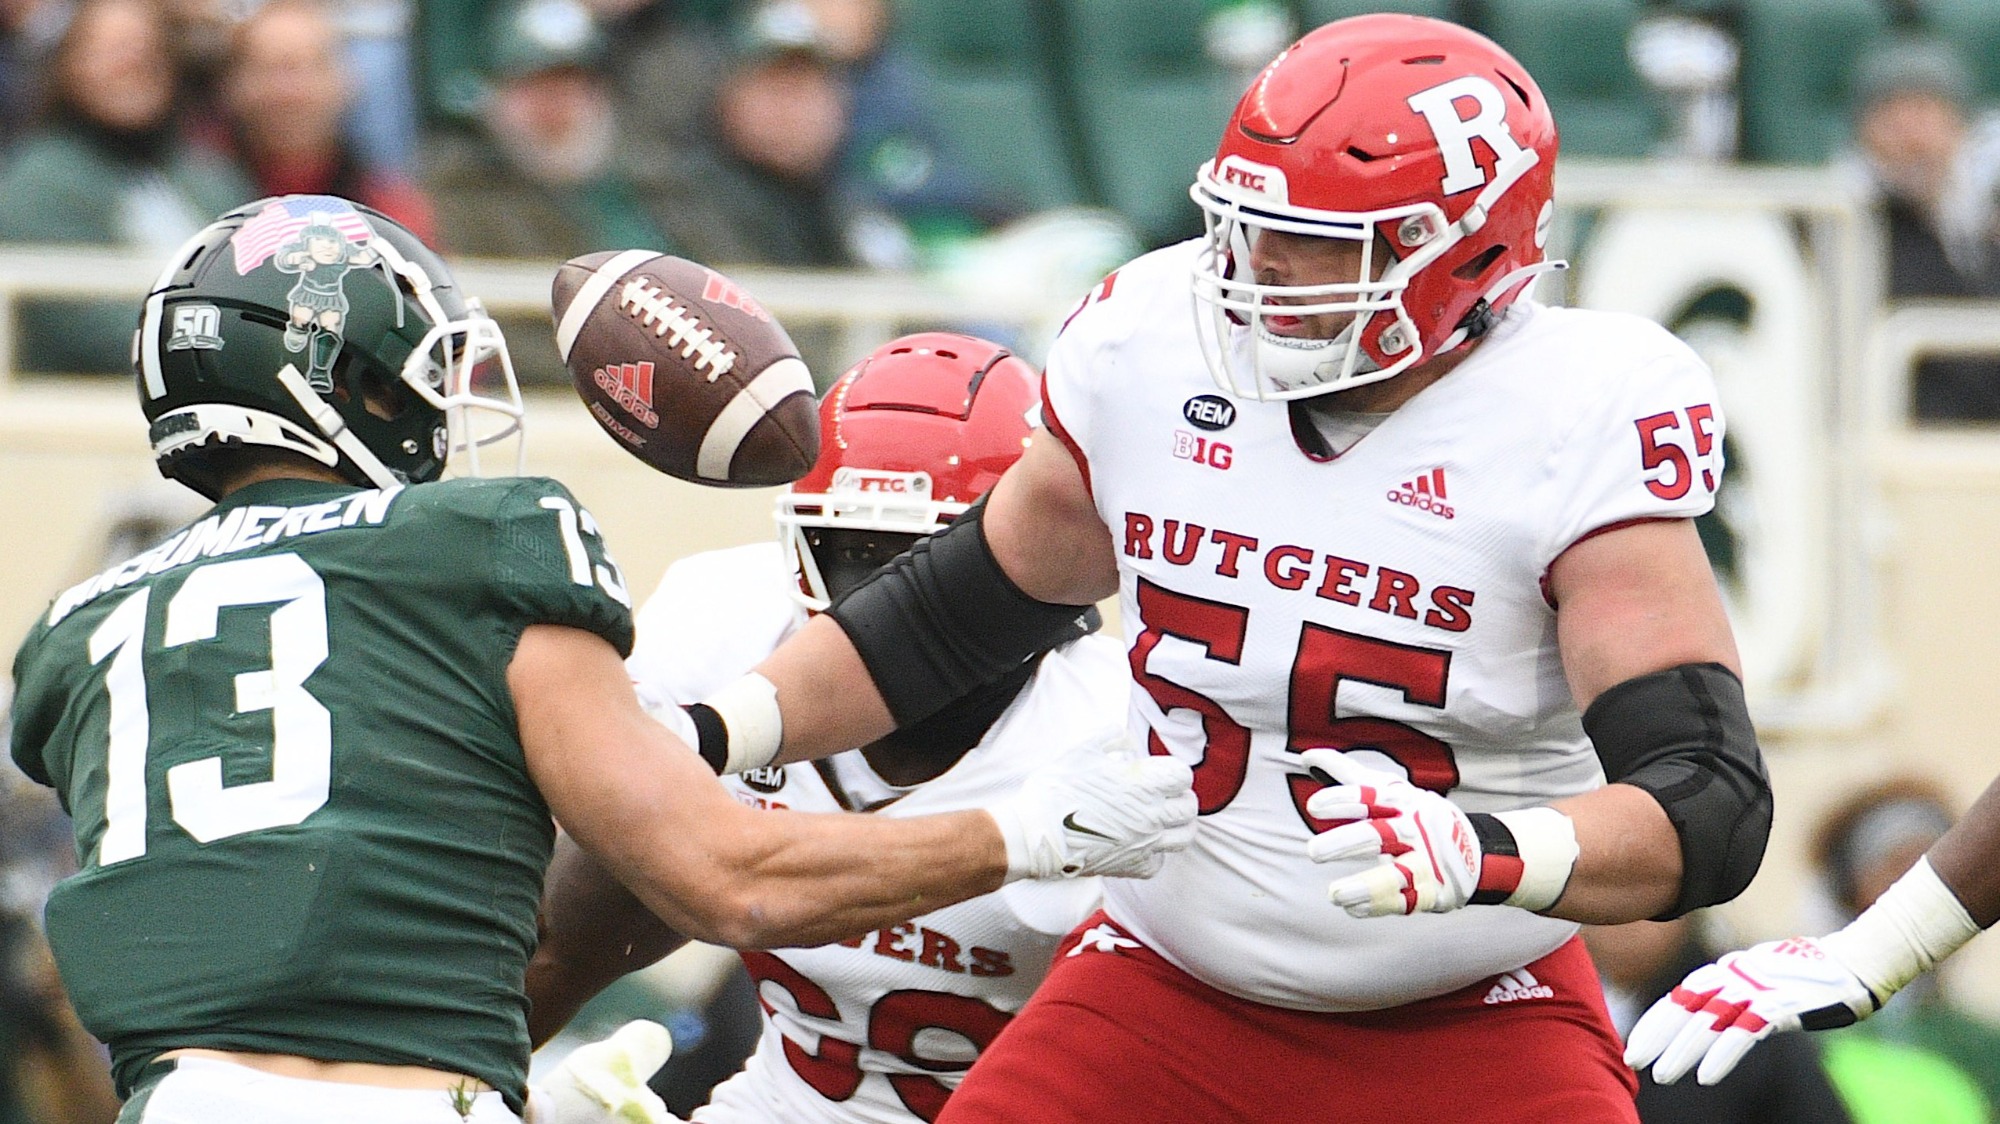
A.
x: 1201, y: 450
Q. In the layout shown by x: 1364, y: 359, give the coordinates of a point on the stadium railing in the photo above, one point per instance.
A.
x: 1816, y: 369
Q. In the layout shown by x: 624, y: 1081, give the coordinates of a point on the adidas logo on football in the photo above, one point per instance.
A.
x: 1425, y: 493
x: 1518, y: 984
x: 631, y: 386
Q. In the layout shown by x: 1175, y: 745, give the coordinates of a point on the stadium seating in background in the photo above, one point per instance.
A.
x: 1718, y: 11
x: 1312, y: 13
x: 989, y: 82
x: 1150, y: 103
x: 1797, y: 55
x: 1974, y: 25
x: 1576, y: 49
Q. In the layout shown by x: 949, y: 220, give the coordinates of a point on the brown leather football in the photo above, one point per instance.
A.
x: 684, y: 370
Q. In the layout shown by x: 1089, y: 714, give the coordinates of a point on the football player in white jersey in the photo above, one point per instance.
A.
x: 1418, y: 595
x: 879, y: 1029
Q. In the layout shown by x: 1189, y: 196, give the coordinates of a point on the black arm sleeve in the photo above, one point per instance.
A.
x: 1684, y: 736
x: 942, y: 619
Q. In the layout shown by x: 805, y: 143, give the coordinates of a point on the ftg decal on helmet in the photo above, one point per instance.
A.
x: 1422, y: 141
x: 319, y: 326
x: 909, y: 437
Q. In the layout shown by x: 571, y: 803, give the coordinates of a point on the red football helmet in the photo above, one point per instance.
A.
x: 908, y: 439
x: 1406, y: 134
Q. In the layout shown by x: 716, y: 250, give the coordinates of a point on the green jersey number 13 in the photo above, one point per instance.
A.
x: 302, y: 730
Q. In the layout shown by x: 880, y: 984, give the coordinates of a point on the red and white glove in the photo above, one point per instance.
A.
x: 604, y: 1082
x: 1432, y: 855
x: 1723, y: 1009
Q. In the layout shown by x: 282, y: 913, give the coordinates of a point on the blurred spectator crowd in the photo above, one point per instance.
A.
x: 1031, y: 142
x: 778, y: 132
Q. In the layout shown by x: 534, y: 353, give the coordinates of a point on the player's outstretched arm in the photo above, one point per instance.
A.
x: 642, y: 802
x: 1723, y: 1009
x: 1033, y: 556
x: 593, y: 932
x: 708, y: 866
x: 1967, y: 858
x: 1650, y: 658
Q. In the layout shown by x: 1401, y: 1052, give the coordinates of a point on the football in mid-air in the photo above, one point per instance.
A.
x: 684, y: 370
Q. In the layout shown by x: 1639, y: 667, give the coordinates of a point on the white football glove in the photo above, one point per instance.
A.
x: 1095, y: 812
x: 1722, y: 1009
x: 604, y: 1082
x: 1432, y: 856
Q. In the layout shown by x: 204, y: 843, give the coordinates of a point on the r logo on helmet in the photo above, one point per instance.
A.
x: 1455, y: 133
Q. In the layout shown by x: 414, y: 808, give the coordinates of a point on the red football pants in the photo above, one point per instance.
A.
x: 1122, y: 1035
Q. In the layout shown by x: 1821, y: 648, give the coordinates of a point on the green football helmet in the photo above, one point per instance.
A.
x: 317, y: 325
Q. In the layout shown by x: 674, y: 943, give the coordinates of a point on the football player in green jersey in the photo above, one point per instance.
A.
x: 313, y: 742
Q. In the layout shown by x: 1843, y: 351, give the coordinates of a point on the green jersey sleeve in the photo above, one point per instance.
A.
x: 27, y: 725
x: 550, y: 564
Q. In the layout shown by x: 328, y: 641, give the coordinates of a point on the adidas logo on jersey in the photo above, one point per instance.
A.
x: 1518, y: 984
x: 1425, y: 493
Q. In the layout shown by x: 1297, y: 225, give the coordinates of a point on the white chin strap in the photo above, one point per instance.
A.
x: 335, y: 427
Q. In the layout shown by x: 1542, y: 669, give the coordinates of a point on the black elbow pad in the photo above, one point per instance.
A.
x: 1684, y: 735
x: 943, y: 619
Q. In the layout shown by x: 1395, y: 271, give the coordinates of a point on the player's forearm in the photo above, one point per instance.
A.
x: 1628, y: 865
x: 593, y: 931
x: 791, y: 878
x: 1964, y: 858
x: 828, y: 699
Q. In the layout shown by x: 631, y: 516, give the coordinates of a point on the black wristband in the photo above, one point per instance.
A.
x: 1496, y: 840
x: 711, y: 736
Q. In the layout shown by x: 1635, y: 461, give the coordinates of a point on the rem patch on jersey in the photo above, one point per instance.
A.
x: 765, y: 780
x: 1209, y: 411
